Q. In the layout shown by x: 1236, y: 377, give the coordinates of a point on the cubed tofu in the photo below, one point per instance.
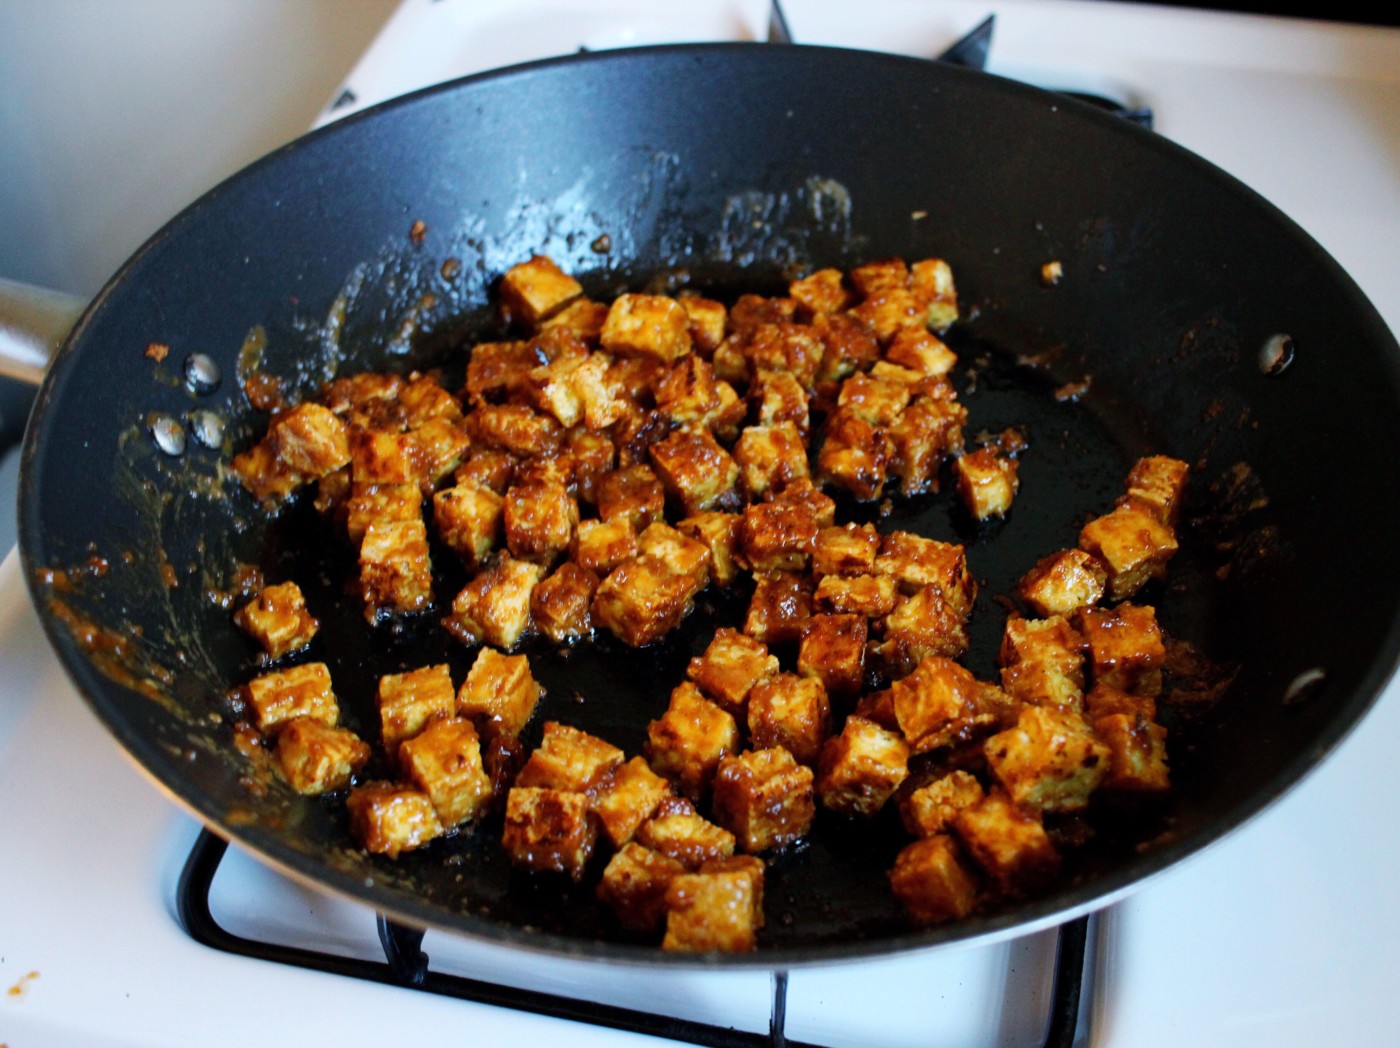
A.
x: 367, y: 504
x: 560, y: 605
x: 1008, y: 843
x: 1133, y: 546
x: 539, y: 521
x: 793, y: 348
x: 536, y: 290
x: 765, y: 798
x: 889, y: 310
x: 593, y: 456
x: 987, y: 483
x: 926, y: 433
x: 719, y: 533
x: 298, y: 691
x: 1104, y: 701
x: 517, y: 429
x: 931, y: 808
x: 729, y: 668
x: 937, y: 703
x: 396, y: 574
x: 549, y: 830
x: 1126, y: 650
x: 409, y: 702
x: 570, y: 759
x: 388, y: 819
x: 468, y: 519
x: 849, y: 345
x: 706, y: 320
x: 780, y: 607
x: 678, y: 830
x: 770, y: 457
x: 922, y: 626
x: 354, y: 392
x: 710, y: 912
x: 776, y: 397
x: 915, y: 562
x: 883, y: 274
x: 874, y: 400
x: 779, y: 535
x: 921, y: 351
x: 498, y: 369
x: 494, y: 607
x: 384, y: 457
x: 869, y: 596
x: 652, y: 327
x: 442, y: 445
x: 1137, y: 754
x: 932, y: 882
x: 750, y: 866
x: 848, y: 549
x: 791, y: 712
x: 423, y: 400
x: 601, y: 545
x: 633, y: 886
x: 644, y: 598
x: 582, y: 318
x: 855, y: 455
x: 444, y: 761
x: 696, y: 471
x: 317, y: 757
x: 931, y: 281
x: 861, y: 768
x: 749, y: 311
x: 687, y: 742
x: 634, y: 493
x: 489, y: 468
x: 499, y: 694
x: 833, y: 652
x: 1063, y: 582
x: 687, y: 393
x: 1042, y: 661
x: 627, y: 798
x: 1157, y: 485
x: 278, y: 620
x: 821, y: 292
x: 1050, y: 761
x: 310, y: 441
x: 556, y: 389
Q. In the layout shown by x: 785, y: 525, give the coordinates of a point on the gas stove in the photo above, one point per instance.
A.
x: 1282, y: 934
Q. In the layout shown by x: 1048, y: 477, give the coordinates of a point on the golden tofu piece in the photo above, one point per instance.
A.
x: 494, y: 607
x: 499, y: 694
x: 931, y: 281
x: 938, y: 703
x: 869, y: 596
x: 356, y: 393
x: 409, y: 702
x: 696, y: 471
x: 987, y: 482
x: 569, y: 759
x: 932, y: 882
x: 1050, y: 761
x: 1063, y: 582
x: 1042, y: 661
x: 849, y: 549
x: 749, y: 311
x: 1104, y: 701
x: 792, y: 348
x: 593, y: 456
x: 582, y: 318
x: 317, y: 757
x: 915, y: 562
x: 711, y: 912
x: 861, y: 768
x: 559, y: 605
x: 889, y: 310
x: 1157, y: 485
x: 687, y: 393
x: 719, y: 533
x: 780, y: 607
x: 765, y: 798
x: 441, y: 446
x: 489, y: 468
x: 423, y: 400
x: 468, y: 519
x: 633, y: 886
x: 923, y: 626
x: 779, y: 535
x: 396, y: 576
x: 539, y: 521
x: 380, y: 456
x: 367, y: 504
x: 549, y: 830
x: 388, y: 819
x: 309, y: 440
x: 634, y: 493
x: 730, y: 667
x: 1137, y: 753
x: 706, y: 320
x: 833, y: 652
x: 926, y: 433
x: 776, y: 397
x: 497, y: 370
x: 1126, y: 650
x: 1009, y: 843
x: 883, y: 274
x: 874, y: 400
x: 855, y: 455
x: 601, y: 545
x: 653, y: 327
x: 277, y: 619
x: 791, y: 712
x: 444, y: 761
x: 931, y: 808
x: 627, y: 798
x: 644, y: 598
x: 516, y: 428
x: 1132, y: 545
x: 687, y: 742
x: 298, y: 691
x: 536, y: 290
x: 849, y: 345
x: 557, y: 388
x: 821, y: 292
x: 770, y: 457
x: 678, y: 830
x: 921, y: 351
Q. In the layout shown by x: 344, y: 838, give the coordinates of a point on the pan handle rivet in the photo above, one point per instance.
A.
x: 1276, y: 355
x: 202, y: 373
x: 207, y: 428
x: 1303, y: 686
x: 168, y: 434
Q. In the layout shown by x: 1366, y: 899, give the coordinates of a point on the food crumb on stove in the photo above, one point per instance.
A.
x: 1051, y: 273
x: 417, y: 231
x: 157, y: 351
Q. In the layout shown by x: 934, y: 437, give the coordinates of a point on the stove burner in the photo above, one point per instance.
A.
x: 406, y: 965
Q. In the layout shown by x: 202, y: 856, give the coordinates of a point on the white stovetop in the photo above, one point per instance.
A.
x: 1284, y: 934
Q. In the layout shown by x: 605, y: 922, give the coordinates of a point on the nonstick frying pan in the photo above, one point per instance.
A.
x: 1201, y: 321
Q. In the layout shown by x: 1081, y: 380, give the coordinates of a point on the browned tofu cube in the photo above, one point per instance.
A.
x: 559, y: 605
x: 696, y: 471
x: 582, y: 318
x: 849, y: 345
x: 317, y: 757
x: 633, y: 886
x: 849, y: 549
x: 791, y: 712
x: 1157, y: 485
x: 627, y: 798
x: 729, y: 668
x: 779, y: 535
x: 750, y: 866
x: 708, y: 912
x: 931, y: 881
x: 780, y: 607
x: 1126, y: 650
x: 388, y: 819
x: 444, y: 761
x: 368, y: 504
x: 332, y: 492
x: 1132, y: 545
x: 821, y: 292
x: 384, y: 457
x: 927, y: 432
x: 719, y: 533
x: 776, y: 397
x: 633, y: 492
x: 409, y: 702
x: 855, y: 455
x: 793, y: 348
x: 298, y: 691
x: 765, y: 798
x: 915, y: 562
x: 923, y: 626
x: 277, y: 619
x: 468, y: 521
x: 921, y: 351
x: 569, y: 759
x: 536, y: 290
x: 498, y: 369
x: 539, y: 521
x: 442, y: 445
x: 1104, y: 701
x: 494, y: 607
x: 423, y: 399
x: 749, y: 311
x: 1009, y: 843
x: 770, y: 457
x: 888, y: 310
x: 499, y: 694
x: 678, y: 830
x: 833, y: 652
x: 549, y: 830
x: 649, y: 326
x: 516, y: 428
x: 932, y: 807
x: 644, y: 598
x: 396, y: 576
x: 489, y: 468
x: 883, y: 274
x: 1042, y: 661
x: 354, y: 392
x: 1050, y: 761
x: 874, y: 400
x: 555, y: 388
x: 593, y: 456
x: 937, y: 703
x: 1137, y: 753
x: 309, y: 440
x: 687, y: 742
x: 869, y: 596
x: 706, y: 320
x: 601, y: 545
x: 931, y: 280
x: 687, y: 393
x: 1063, y: 582
x: 987, y: 483
x: 861, y: 768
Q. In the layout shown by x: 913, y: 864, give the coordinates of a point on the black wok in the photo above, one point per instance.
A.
x: 729, y: 167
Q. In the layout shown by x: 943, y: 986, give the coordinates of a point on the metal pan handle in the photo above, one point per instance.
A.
x: 34, y: 321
